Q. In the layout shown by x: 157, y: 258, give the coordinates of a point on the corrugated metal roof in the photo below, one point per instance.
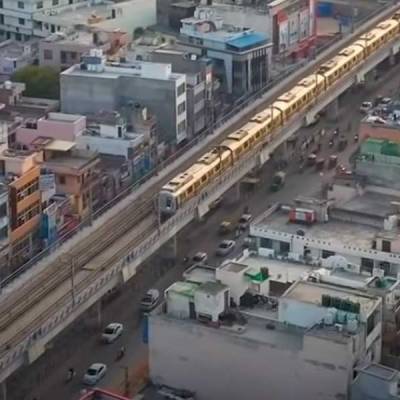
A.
x: 247, y: 40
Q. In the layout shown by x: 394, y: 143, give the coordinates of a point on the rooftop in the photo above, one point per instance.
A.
x: 199, y: 274
x: 331, y: 232
x: 183, y: 288
x: 12, y: 49
x: 74, y: 159
x: 308, y: 292
x: 380, y: 371
x: 75, y: 15
x: 212, y: 288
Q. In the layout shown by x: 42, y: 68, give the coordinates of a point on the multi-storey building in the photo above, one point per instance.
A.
x: 199, y: 85
x: 22, y: 19
x: 16, y: 17
x: 20, y: 170
x: 241, y: 57
x: 207, y: 340
x: 4, y: 227
x: 94, y: 85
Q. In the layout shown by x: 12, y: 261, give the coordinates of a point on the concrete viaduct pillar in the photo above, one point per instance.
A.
x: 332, y: 111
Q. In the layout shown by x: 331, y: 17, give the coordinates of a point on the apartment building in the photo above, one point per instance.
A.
x: 22, y: 19
x: 54, y: 125
x: 241, y: 57
x: 203, y: 341
x: 15, y: 55
x: 20, y: 171
x: 94, y: 86
x: 17, y: 17
x: 76, y: 173
x: 199, y: 86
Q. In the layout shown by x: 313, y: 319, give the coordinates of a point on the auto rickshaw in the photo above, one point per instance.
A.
x: 225, y: 228
x: 332, y: 161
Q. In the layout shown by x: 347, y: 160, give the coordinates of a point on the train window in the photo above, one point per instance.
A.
x: 203, y: 178
x: 190, y: 189
x: 196, y: 184
x: 258, y: 134
x: 246, y: 145
x: 217, y: 167
x: 269, y: 126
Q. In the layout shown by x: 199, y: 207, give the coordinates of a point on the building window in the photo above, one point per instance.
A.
x: 28, y: 189
x: 47, y: 54
x: 1, y: 19
x: 3, y: 210
x: 327, y: 253
x: 182, y: 107
x: 266, y: 243
x: 21, y: 21
x: 386, y: 246
x: 4, y: 233
x: 182, y: 127
x: 367, y: 265
x: 39, y: 5
x: 181, y: 89
x: 63, y: 56
x: 55, y: 2
x: 61, y: 179
x: 21, y: 4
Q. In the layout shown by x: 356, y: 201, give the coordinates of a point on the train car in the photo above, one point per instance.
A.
x: 242, y: 141
x: 383, y: 33
x: 189, y: 183
x: 293, y: 101
x: 261, y: 126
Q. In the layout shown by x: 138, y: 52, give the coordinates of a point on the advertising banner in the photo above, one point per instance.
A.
x: 283, y: 35
x: 304, y: 24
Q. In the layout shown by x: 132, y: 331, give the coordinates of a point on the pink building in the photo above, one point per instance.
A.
x: 57, y: 126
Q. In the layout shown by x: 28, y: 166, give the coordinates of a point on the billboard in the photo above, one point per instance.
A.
x: 283, y: 31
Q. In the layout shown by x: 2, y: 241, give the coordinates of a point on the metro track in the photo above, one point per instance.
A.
x: 16, y: 304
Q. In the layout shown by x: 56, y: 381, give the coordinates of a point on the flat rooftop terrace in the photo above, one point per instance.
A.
x: 370, y: 203
x: 333, y: 231
x: 308, y: 292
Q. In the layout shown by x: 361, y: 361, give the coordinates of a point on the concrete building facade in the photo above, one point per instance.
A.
x: 23, y: 19
x: 199, y: 86
x: 93, y: 86
x: 241, y: 58
x: 20, y: 171
x: 260, y: 351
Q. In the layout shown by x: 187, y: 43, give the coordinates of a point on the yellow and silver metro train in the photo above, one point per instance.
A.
x: 262, y: 126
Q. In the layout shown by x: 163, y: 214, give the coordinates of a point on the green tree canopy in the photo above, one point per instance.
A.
x: 40, y: 81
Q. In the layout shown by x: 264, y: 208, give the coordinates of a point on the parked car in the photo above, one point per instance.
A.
x: 94, y: 373
x: 366, y: 106
x: 150, y: 300
x: 200, y: 257
x: 244, y: 221
x: 225, y: 247
x: 385, y: 101
x: 225, y: 227
x: 112, y: 332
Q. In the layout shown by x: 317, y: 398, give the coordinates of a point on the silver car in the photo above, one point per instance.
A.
x: 225, y: 247
x: 112, y: 332
x: 94, y: 373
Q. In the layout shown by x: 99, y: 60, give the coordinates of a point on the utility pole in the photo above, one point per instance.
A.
x: 72, y: 264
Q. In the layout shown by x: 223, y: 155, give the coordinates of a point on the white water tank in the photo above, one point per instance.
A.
x: 330, y: 317
x: 8, y: 85
x: 352, y: 325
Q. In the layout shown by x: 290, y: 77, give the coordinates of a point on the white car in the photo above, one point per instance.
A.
x: 150, y: 300
x: 200, y: 257
x: 112, y: 332
x: 225, y: 247
x: 244, y: 221
x: 94, y: 373
x: 366, y: 106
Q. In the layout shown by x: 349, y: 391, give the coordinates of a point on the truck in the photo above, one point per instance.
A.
x: 278, y: 181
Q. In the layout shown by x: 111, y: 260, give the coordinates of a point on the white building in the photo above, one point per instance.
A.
x: 304, y: 346
x: 358, y: 225
x: 21, y: 19
x: 93, y: 86
x: 15, y: 55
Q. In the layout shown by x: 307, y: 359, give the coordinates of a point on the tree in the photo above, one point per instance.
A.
x: 40, y: 81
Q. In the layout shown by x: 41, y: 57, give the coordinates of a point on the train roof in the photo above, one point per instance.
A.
x: 263, y: 116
